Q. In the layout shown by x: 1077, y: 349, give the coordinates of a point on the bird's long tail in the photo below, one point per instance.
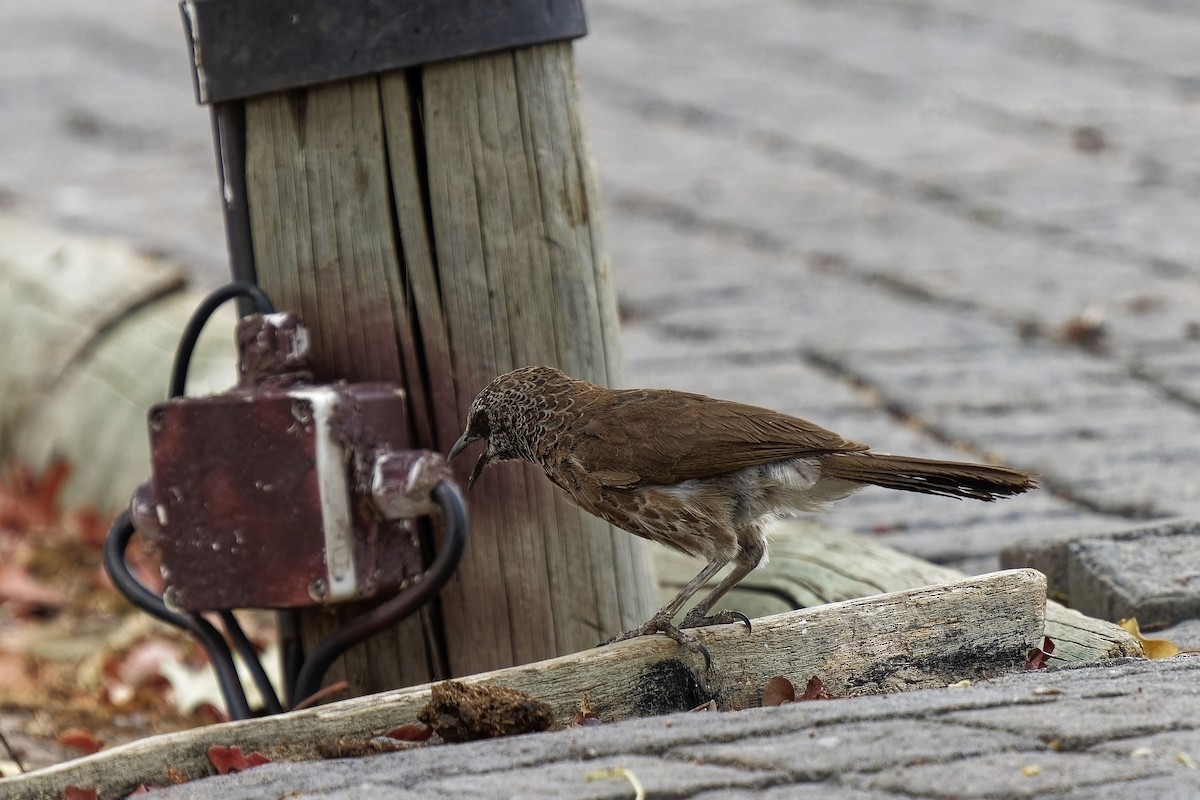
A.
x: 949, y: 478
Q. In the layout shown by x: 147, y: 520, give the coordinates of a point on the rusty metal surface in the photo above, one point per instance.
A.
x: 236, y: 495
x: 402, y: 483
x: 272, y: 348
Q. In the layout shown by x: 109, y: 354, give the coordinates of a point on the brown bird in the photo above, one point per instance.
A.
x: 703, y: 476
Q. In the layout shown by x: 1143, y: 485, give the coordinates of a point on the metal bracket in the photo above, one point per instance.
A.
x: 242, y: 48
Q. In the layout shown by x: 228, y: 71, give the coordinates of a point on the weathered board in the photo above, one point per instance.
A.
x: 919, y: 638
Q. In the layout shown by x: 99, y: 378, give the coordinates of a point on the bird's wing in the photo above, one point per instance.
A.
x: 643, y: 437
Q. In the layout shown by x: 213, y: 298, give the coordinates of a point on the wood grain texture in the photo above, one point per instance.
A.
x: 522, y: 279
x: 321, y: 222
x: 90, y: 328
x: 812, y: 564
x: 436, y: 227
x: 920, y: 638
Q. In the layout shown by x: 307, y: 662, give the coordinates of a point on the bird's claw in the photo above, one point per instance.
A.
x: 719, y: 618
x: 664, y: 626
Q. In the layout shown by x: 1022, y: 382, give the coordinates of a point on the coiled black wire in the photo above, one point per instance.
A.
x: 122, y: 532
x: 303, y: 676
x: 454, y: 540
x: 210, y: 639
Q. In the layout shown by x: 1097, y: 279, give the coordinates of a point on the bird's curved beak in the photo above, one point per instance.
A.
x: 461, y: 445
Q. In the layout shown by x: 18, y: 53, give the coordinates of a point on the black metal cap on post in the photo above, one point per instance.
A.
x: 241, y: 49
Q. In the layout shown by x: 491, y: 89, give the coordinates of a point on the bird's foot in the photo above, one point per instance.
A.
x: 694, y: 620
x: 662, y: 624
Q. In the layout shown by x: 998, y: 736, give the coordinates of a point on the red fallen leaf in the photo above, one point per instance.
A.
x: 81, y: 740
x: 232, y: 759
x: 91, y: 525
x: 17, y: 586
x: 711, y: 705
x: 79, y: 793
x: 814, y: 690
x: 410, y: 732
x: 585, y: 717
x: 1037, y: 657
x: 30, y: 501
x: 142, y: 665
x: 779, y: 690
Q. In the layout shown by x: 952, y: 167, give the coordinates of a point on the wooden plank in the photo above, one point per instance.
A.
x: 813, y: 564
x: 430, y: 227
x: 920, y: 638
x: 59, y: 295
x: 498, y: 220
x: 95, y: 415
x: 321, y: 221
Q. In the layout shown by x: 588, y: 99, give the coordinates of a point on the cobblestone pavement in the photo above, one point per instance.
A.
x: 944, y: 229
x: 941, y: 229
x: 1119, y: 731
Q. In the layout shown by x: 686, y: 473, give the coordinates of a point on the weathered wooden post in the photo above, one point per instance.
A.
x: 413, y: 179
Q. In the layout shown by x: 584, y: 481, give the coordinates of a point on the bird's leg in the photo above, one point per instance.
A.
x: 751, y: 554
x: 661, y: 621
x: 698, y: 616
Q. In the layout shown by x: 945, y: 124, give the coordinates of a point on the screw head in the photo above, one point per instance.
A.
x: 301, y: 411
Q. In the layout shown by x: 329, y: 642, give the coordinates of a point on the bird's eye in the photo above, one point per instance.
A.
x: 480, y: 426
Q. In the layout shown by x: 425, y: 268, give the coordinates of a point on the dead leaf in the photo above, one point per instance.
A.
x: 1038, y: 656
x: 322, y: 694
x: 81, y: 740
x: 79, y: 793
x: 232, y: 759
x: 410, y: 732
x: 585, y: 717
x: 814, y: 690
x: 779, y: 691
x: 711, y: 705
x: 1153, y: 648
x: 18, y: 586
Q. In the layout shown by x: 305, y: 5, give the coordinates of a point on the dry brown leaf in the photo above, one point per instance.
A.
x: 81, y: 740
x: 814, y: 690
x: 19, y: 587
x: 1153, y: 648
x: 410, y: 732
x: 585, y: 717
x: 779, y: 691
x: 1038, y: 657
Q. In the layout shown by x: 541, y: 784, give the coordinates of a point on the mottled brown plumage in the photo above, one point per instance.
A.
x: 700, y: 475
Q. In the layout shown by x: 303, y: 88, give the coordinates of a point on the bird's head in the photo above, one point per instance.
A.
x: 511, y: 415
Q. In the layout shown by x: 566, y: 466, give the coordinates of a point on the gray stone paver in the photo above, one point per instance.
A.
x: 1062, y: 732
x: 857, y: 203
x: 1010, y: 774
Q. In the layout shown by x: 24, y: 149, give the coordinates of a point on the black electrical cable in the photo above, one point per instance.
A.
x: 209, y: 637
x: 291, y: 650
x: 179, y: 372
x: 241, y: 643
x: 187, y: 341
x: 454, y: 540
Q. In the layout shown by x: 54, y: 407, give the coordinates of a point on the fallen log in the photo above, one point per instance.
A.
x: 813, y: 564
x: 919, y: 638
